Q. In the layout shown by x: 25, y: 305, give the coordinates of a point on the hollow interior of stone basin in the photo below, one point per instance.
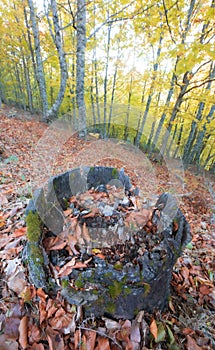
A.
x: 118, y: 253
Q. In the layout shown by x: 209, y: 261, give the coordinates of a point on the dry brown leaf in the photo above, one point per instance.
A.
x: 11, y: 329
x: 77, y: 339
x: 41, y: 294
x: 90, y: 339
x: 103, y: 343
x: 43, y: 312
x: 3, y: 199
x: 66, y: 270
x: 154, y: 329
x: 205, y: 290
x: 54, y: 243
x: 191, y: 344
x: 23, y: 332
x: 19, y: 232
x: 36, y: 346
x: 85, y: 233
x: 34, y: 334
x: 78, y: 234
x: 138, y: 218
x: 7, y: 344
x: 55, y: 340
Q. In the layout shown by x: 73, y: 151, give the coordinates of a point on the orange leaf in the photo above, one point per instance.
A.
x: 67, y: 268
x: 103, y: 344
x: 19, y: 232
x: 42, y: 294
x: 36, y: 346
x: 154, y: 329
x: 191, y: 344
x: 85, y: 233
x: 23, y: 332
x: 205, y: 290
x: 90, y: 339
x: 54, y: 243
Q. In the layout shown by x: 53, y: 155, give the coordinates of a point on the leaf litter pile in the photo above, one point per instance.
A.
x: 31, y: 319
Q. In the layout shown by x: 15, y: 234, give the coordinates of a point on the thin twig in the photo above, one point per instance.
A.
x: 102, y: 334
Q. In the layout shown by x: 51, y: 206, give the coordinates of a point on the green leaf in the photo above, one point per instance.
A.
x: 189, y: 246
x: 161, y: 332
x: 170, y: 335
x: 12, y: 159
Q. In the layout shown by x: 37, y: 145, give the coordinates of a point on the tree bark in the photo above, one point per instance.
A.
x: 148, y: 103
x: 52, y: 113
x: 39, y: 64
x: 80, y: 65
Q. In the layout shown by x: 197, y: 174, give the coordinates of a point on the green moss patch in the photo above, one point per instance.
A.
x: 33, y: 227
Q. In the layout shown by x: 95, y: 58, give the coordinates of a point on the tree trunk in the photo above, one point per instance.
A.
x: 113, y: 87
x: 52, y: 113
x: 106, y: 79
x: 148, y: 103
x: 188, y: 154
x: 126, y: 130
x: 80, y: 65
x: 176, y: 108
x: 39, y: 63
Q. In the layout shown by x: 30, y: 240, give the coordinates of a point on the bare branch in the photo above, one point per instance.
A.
x: 110, y: 21
x: 197, y: 86
x: 167, y: 21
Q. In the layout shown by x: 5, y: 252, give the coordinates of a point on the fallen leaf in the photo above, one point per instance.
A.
x: 23, y: 332
x: 11, y: 328
x: 3, y: 199
x: 19, y: 232
x: 103, y: 344
x: 67, y: 268
x: 6, y: 344
x: 191, y: 344
x: 54, y: 243
x: 154, y: 329
x: 85, y: 233
x: 36, y: 346
x: 55, y: 339
x: 161, y: 332
x: 205, y: 290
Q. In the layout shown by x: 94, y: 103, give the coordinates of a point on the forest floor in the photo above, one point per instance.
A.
x: 30, y: 319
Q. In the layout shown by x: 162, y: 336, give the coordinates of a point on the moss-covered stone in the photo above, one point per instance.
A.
x: 35, y: 261
x: 115, y: 173
x: 33, y: 226
x: 115, y: 289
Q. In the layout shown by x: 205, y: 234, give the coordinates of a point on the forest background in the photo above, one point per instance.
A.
x: 140, y: 71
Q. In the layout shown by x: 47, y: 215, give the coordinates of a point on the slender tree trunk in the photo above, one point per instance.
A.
x: 148, y: 103
x: 73, y: 101
x: 152, y: 131
x: 92, y: 95
x: 52, y: 113
x: 175, y: 110
x: 126, y: 130
x: 96, y: 67
x: 80, y: 65
x: 30, y: 46
x: 178, y: 141
x: 188, y: 154
x: 173, y: 80
x: 113, y: 87
x: 106, y: 79
x: 28, y: 85
x: 39, y: 63
x: 197, y: 148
